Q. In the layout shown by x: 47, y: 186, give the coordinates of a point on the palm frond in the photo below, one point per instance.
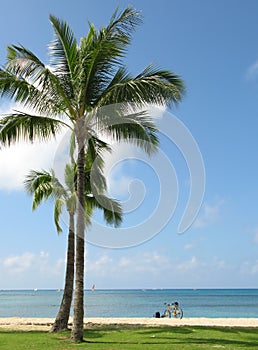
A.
x: 122, y: 25
x: 95, y: 149
x: 101, y: 51
x: 95, y: 181
x: 23, y: 65
x: 70, y: 177
x: 88, y: 211
x: 112, y: 209
x: 143, y: 134
x: 43, y: 185
x: 58, y: 191
x: 151, y: 86
x: 58, y: 206
x: 72, y: 147
x: 63, y: 49
x: 64, y: 60
x: 121, y: 124
x: 22, y: 91
x: 38, y: 184
x: 23, y: 126
x: 96, y: 66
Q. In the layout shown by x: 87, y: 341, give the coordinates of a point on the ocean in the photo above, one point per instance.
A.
x: 134, y: 303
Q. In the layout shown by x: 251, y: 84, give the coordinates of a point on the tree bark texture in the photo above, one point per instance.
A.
x: 77, y: 330
x: 62, y: 318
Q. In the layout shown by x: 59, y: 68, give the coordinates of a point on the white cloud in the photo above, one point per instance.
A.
x: 19, y: 158
x: 19, y: 263
x: 188, y: 265
x: 151, y: 262
x: 249, y: 267
x: 142, y: 269
x: 100, y: 263
x: 198, y: 265
x: 152, y: 269
x: 30, y: 262
x: 132, y: 263
x: 124, y: 262
x: 209, y: 215
x: 30, y: 270
x: 188, y: 246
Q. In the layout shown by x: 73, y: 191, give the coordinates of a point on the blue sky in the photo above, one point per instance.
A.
x: 213, y: 46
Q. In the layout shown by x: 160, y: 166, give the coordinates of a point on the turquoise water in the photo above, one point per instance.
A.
x: 134, y: 303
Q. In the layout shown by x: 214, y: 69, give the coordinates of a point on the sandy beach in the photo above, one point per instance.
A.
x: 44, y: 324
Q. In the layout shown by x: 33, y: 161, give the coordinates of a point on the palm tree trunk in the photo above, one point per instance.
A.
x: 61, y: 321
x: 77, y: 330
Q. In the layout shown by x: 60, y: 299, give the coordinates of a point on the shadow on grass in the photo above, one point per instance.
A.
x: 131, y: 337
x: 168, y: 329
x: 236, y: 330
x: 215, y: 342
x: 185, y: 336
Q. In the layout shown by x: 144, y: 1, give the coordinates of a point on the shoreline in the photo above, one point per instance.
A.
x: 44, y: 324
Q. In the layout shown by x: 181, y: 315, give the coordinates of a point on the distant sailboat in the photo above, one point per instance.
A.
x: 93, y: 287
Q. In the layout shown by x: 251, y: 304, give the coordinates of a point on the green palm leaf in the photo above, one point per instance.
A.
x: 63, y: 50
x: 23, y: 126
x: 152, y: 86
x: 38, y: 184
x: 23, y: 63
x: 43, y: 185
x: 46, y: 98
x: 70, y: 177
x: 58, y: 207
x: 112, y: 209
x: 137, y: 128
x: 101, y: 52
x: 32, y: 80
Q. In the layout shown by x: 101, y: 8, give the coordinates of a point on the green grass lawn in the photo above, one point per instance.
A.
x: 132, y: 337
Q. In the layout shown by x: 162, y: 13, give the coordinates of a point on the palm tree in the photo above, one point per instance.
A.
x: 81, y: 80
x: 43, y: 185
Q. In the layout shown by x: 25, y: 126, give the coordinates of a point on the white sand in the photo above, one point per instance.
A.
x: 45, y: 323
